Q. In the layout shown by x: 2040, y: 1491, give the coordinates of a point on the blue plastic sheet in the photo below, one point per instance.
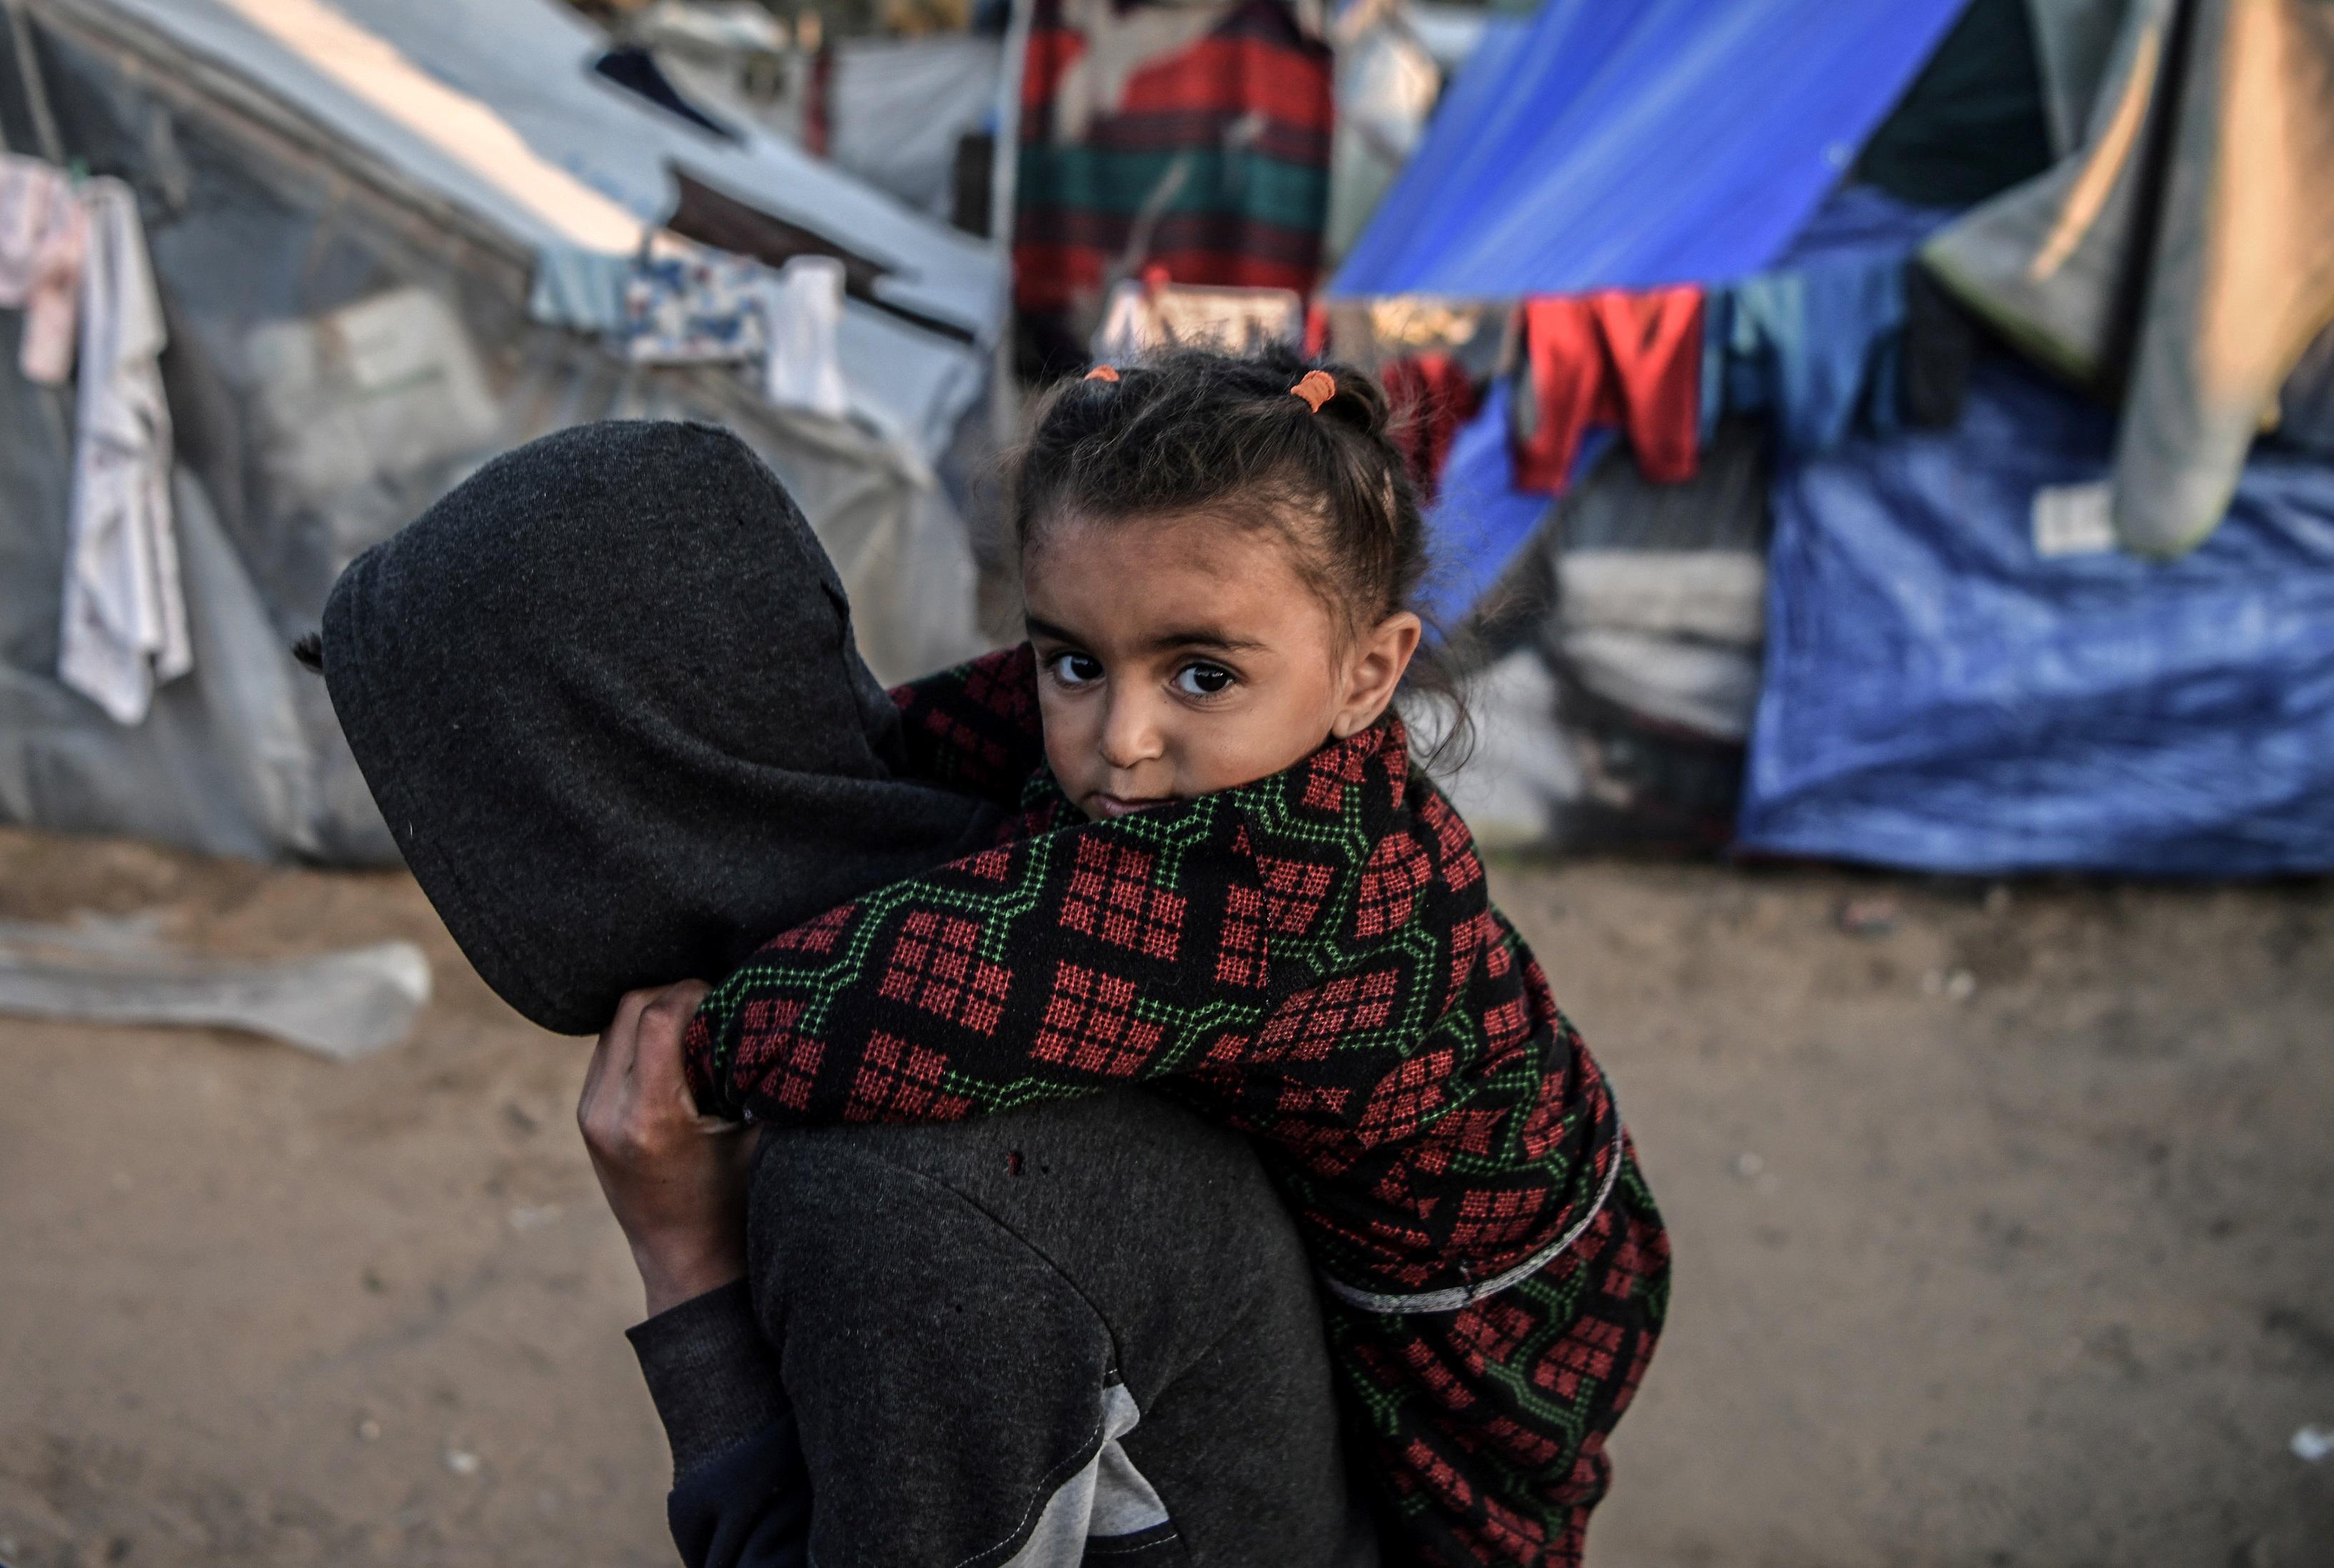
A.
x: 1634, y: 145
x: 1479, y: 520
x: 1939, y: 695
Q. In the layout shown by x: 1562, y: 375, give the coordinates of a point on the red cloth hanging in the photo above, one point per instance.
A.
x: 1614, y: 358
x: 1432, y: 396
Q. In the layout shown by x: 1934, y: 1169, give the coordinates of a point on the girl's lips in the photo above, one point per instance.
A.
x: 1119, y: 806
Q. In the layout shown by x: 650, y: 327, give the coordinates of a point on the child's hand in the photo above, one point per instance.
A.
x: 675, y: 1179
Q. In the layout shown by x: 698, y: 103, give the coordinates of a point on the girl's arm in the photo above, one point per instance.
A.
x: 1075, y: 960
x: 1054, y: 966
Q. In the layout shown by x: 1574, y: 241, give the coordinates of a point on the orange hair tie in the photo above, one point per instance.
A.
x: 1315, y: 387
x: 1102, y: 372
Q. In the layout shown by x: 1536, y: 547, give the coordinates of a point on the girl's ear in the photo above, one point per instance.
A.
x: 1375, y: 671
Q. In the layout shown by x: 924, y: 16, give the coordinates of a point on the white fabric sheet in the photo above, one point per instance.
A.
x: 801, y: 306
x: 124, y: 626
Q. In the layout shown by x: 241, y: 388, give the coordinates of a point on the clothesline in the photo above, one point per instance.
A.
x: 1843, y: 332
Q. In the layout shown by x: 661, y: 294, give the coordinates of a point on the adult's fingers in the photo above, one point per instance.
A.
x: 663, y: 1024
x: 624, y: 1028
x: 610, y: 1065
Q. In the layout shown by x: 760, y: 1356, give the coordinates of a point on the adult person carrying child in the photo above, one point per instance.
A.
x: 1214, y: 866
x: 606, y: 697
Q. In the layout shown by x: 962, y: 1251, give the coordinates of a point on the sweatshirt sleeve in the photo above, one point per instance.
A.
x: 740, y: 1491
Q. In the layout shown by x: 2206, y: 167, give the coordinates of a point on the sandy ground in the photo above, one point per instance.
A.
x: 2040, y: 1273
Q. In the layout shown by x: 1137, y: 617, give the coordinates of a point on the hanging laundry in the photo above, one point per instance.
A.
x: 124, y: 627
x: 1192, y: 135
x: 1814, y: 347
x: 44, y: 237
x: 1481, y: 519
x: 708, y: 307
x: 578, y: 289
x: 1431, y: 395
x: 802, y: 309
x: 1630, y: 360
x: 694, y: 309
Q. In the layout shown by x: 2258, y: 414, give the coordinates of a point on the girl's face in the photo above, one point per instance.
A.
x: 1182, y: 655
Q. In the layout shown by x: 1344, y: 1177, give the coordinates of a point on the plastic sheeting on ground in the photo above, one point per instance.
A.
x: 1631, y: 146
x: 1939, y: 694
x: 341, y: 1005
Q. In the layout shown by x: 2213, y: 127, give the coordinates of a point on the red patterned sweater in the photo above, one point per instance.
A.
x: 1312, y: 959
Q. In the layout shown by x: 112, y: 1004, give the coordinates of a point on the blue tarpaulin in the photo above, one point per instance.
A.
x: 1634, y: 145
x: 1940, y: 695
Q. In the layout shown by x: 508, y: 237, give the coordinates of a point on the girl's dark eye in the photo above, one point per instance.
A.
x: 1204, y: 679
x: 1075, y: 669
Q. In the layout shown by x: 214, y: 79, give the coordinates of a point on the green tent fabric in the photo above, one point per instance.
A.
x: 2184, y: 257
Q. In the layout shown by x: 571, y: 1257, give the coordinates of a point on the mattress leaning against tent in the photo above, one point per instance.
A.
x: 346, y: 304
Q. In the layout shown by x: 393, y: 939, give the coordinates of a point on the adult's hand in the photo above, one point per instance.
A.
x: 675, y: 1180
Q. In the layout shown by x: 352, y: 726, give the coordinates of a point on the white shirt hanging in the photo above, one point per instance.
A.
x: 801, y: 306
x: 125, y: 614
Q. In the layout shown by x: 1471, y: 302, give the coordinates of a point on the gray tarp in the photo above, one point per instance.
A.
x: 897, y: 107
x: 2185, y: 255
x: 349, y: 337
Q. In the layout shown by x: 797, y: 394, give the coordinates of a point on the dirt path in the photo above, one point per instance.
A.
x: 2043, y: 1273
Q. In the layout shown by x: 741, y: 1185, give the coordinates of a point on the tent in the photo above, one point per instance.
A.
x: 347, y: 203
x: 2086, y: 185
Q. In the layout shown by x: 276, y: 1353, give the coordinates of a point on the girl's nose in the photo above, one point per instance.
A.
x: 1130, y: 735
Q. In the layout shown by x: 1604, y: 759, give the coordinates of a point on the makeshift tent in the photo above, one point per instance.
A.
x: 894, y: 112
x: 1791, y: 160
x: 2183, y: 258
x: 897, y: 110
x: 346, y: 205
x: 1948, y: 688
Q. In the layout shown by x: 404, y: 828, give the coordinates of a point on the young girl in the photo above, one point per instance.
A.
x: 1225, y: 875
